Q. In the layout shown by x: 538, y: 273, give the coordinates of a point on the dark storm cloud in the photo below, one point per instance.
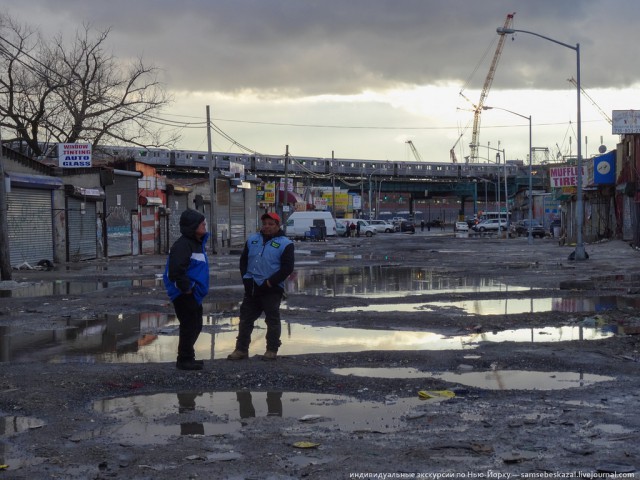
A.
x: 305, y: 47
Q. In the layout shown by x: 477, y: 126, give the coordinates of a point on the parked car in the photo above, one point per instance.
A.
x: 461, y: 227
x: 365, y: 228
x: 490, y: 225
x: 407, y: 226
x: 522, y: 228
x: 382, y: 226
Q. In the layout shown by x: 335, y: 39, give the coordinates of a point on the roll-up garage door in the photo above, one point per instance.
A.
x: 177, y: 204
x: 30, y: 226
x: 81, y: 230
x: 236, y: 203
x: 122, y: 200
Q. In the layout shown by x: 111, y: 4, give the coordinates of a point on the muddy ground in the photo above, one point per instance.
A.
x: 51, y: 428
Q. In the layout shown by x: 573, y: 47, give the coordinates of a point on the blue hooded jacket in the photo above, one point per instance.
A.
x: 187, y: 265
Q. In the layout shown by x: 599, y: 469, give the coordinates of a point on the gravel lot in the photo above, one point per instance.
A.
x: 91, y: 420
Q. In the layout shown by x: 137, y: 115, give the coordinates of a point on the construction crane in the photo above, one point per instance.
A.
x: 602, y: 112
x: 452, y: 152
x: 477, y: 110
x: 414, y: 150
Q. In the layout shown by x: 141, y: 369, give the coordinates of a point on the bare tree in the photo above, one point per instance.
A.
x: 53, y: 92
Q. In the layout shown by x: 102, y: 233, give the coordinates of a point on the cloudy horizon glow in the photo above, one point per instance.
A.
x: 360, y: 78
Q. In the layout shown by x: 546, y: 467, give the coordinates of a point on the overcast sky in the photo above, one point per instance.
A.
x: 361, y: 77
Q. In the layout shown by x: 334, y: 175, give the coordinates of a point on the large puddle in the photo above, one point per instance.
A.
x: 149, y: 419
x: 505, y: 306
x: 379, y: 281
x: 488, y: 380
x: 153, y: 337
x: 49, y: 288
x: 371, y: 282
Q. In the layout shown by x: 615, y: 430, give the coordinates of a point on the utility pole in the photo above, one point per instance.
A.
x: 333, y: 187
x: 212, y: 187
x: 5, y: 262
x: 285, y: 202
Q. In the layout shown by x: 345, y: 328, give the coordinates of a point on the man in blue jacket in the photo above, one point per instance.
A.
x: 266, y: 262
x: 186, y: 279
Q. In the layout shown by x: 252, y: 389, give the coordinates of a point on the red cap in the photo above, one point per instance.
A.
x: 271, y: 215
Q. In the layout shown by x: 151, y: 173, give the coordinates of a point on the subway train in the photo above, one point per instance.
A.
x: 259, y: 164
x: 274, y: 164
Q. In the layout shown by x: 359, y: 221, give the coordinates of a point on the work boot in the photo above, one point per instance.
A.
x: 189, y: 365
x: 270, y: 355
x: 238, y: 355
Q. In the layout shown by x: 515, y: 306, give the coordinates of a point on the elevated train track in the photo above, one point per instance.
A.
x: 442, y: 178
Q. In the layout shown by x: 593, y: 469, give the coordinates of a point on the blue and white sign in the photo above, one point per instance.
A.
x: 74, y: 155
x: 604, y: 169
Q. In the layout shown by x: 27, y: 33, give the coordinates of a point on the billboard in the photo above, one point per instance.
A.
x: 566, y: 176
x: 625, y: 121
x: 74, y: 155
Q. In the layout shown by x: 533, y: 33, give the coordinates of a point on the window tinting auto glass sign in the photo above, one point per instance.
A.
x: 74, y: 155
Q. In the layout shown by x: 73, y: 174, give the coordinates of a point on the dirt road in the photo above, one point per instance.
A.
x: 360, y: 411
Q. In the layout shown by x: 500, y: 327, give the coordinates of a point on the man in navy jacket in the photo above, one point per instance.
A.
x: 266, y: 262
x: 186, y: 279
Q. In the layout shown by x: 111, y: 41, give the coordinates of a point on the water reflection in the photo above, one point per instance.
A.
x: 378, y: 281
x: 506, y: 306
x: 489, y: 380
x: 158, y: 417
x: 153, y: 337
x: 60, y: 287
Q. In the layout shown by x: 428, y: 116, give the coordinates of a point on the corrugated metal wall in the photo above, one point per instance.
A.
x: 118, y: 217
x: 177, y: 204
x: 81, y: 230
x: 236, y: 208
x: 30, y: 225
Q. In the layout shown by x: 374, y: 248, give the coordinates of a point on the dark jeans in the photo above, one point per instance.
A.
x: 251, y: 308
x: 189, y: 315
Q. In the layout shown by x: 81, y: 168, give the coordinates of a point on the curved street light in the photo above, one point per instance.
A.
x: 529, y: 228
x: 579, y: 253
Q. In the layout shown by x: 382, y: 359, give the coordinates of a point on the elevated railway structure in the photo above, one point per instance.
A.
x: 418, y: 179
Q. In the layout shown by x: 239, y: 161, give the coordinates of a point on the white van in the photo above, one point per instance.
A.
x: 299, y: 223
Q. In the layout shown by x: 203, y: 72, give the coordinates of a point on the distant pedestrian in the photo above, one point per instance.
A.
x: 352, y: 229
x: 422, y: 225
x: 357, y: 229
x: 265, y: 263
x: 186, y: 278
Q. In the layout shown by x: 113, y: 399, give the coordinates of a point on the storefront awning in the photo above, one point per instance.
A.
x: 291, y: 198
x: 94, y: 193
x: 34, y: 181
x: 150, y: 201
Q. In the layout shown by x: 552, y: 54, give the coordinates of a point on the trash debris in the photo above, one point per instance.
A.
x: 310, y: 418
x: 306, y: 445
x: 424, y: 395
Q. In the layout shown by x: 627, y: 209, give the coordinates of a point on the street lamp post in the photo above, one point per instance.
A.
x: 579, y: 253
x: 506, y: 206
x: 529, y: 228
